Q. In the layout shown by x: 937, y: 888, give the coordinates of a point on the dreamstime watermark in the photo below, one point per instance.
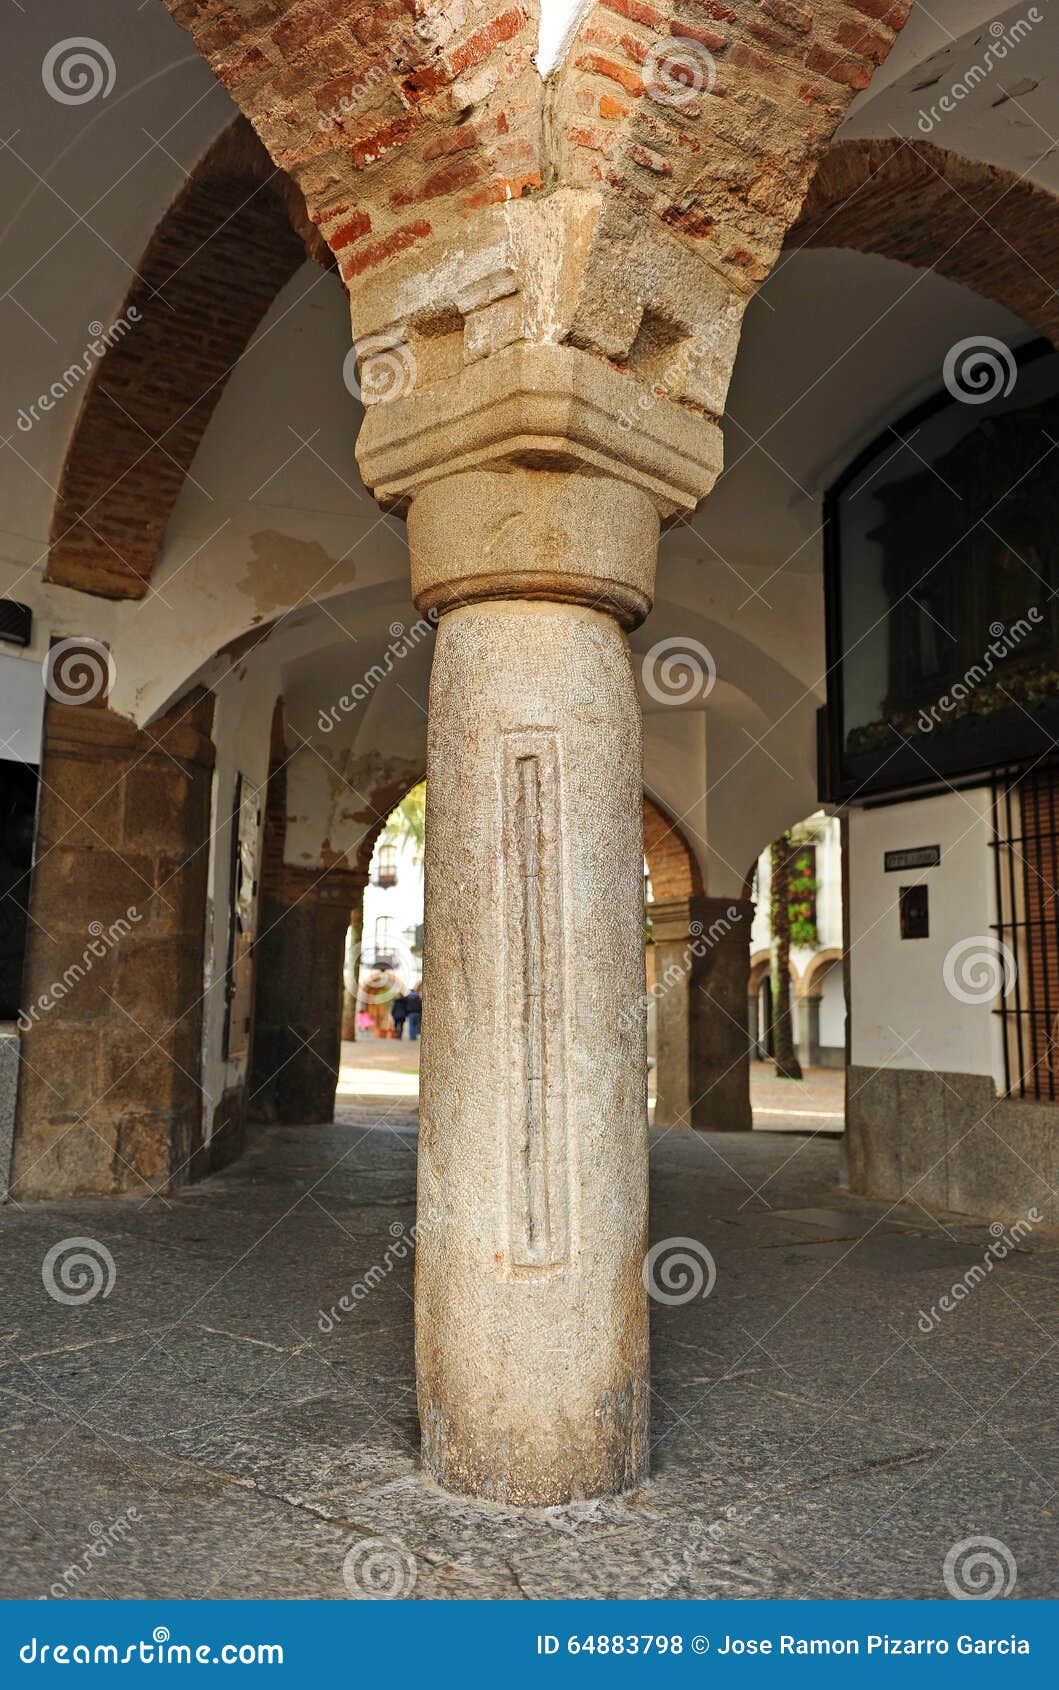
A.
x: 1005, y: 1239
x: 143, y: 1653
x: 670, y: 383
x: 404, y: 1240
x: 379, y: 71
x: 78, y: 1270
x: 78, y: 70
x: 379, y: 368
x: 978, y: 1569
x: 979, y: 369
x: 102, y: 941
x: 677, y: 70
x: 99, y: 344
x: 378, y: 1569
x: 400, y: 54
x: 402, y: 641
x: 678, y: 669
x: 695, y: 371
x: 701, y: 940
x: 78, y: 671
x: 677, y: 1270
x: 1002, y: 644
x: 979, y: 969
x: 101, y: 1540
x: 1004, y: 38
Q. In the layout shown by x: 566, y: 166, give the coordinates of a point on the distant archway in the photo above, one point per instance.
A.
x: 671, y: 863
x: 812, y: 981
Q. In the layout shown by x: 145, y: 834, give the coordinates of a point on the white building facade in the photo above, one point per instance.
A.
x: 816, y: 968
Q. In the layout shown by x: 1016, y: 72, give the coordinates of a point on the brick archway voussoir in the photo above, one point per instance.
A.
x: 234, y: 235
x: 439, y: 165
x: 671, y: 863
x: 975, y: 223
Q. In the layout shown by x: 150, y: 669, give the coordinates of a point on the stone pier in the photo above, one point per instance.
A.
x: 701, y: 963
x: 297, y: 1049
x: 110, y: 1095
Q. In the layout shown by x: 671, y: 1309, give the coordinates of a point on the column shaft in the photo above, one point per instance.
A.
x: 531, y: 1328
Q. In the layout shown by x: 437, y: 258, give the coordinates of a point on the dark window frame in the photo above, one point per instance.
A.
x: 911, y: 769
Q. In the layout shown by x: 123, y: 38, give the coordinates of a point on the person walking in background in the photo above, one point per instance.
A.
x: 398, y: 1012
x: 376, y: 993
x: 413, y: 1005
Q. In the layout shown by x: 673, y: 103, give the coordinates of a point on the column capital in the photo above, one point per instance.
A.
x: 538, y: 473
x: 540, y: 406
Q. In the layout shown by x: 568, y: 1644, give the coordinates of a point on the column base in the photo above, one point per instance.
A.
x: 566, y: 1467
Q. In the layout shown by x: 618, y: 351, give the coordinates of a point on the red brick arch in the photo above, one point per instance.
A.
x: 390, y: 119
x: 235, y: 233
x: 670, y: 861
x: 726, y: 170
x: 385, y: 115
x: 978, y: 224
x: 385, y: 801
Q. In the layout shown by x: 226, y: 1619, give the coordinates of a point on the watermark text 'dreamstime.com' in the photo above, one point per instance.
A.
x: 159, y: 1650
x: 98, y: 346
x: 1004, y: 39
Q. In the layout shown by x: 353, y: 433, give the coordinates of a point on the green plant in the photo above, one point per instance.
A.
x: 803, y: 888
x: 782, y: 853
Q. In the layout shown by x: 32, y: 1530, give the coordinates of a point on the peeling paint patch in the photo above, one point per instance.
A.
x: 281, y: 569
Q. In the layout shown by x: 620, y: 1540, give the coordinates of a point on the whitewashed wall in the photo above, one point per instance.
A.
x: 904, y: 1016
x: 241, y: 725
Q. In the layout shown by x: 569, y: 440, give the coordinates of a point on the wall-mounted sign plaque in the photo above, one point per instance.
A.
x: 916, y: 856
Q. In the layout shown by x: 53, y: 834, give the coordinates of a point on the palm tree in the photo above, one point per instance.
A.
x: 408, y: 823
x: 782, y: 854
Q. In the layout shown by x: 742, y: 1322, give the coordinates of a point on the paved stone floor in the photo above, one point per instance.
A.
x: 204, y: 1431
x: 389, y: 1068
x: 814, y: 1104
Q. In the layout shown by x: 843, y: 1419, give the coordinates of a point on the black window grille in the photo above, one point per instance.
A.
x: 1026, y: 846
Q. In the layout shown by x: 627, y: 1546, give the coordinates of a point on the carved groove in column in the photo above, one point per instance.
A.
x: 537, y: 1136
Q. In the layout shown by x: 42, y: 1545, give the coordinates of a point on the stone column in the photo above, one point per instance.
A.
x: 531, y: 1320
x: 351, y: 972
x: 298, y: 1011
x: 702, y: 960
x: 753, y: 1025
x: 809, y: 1030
